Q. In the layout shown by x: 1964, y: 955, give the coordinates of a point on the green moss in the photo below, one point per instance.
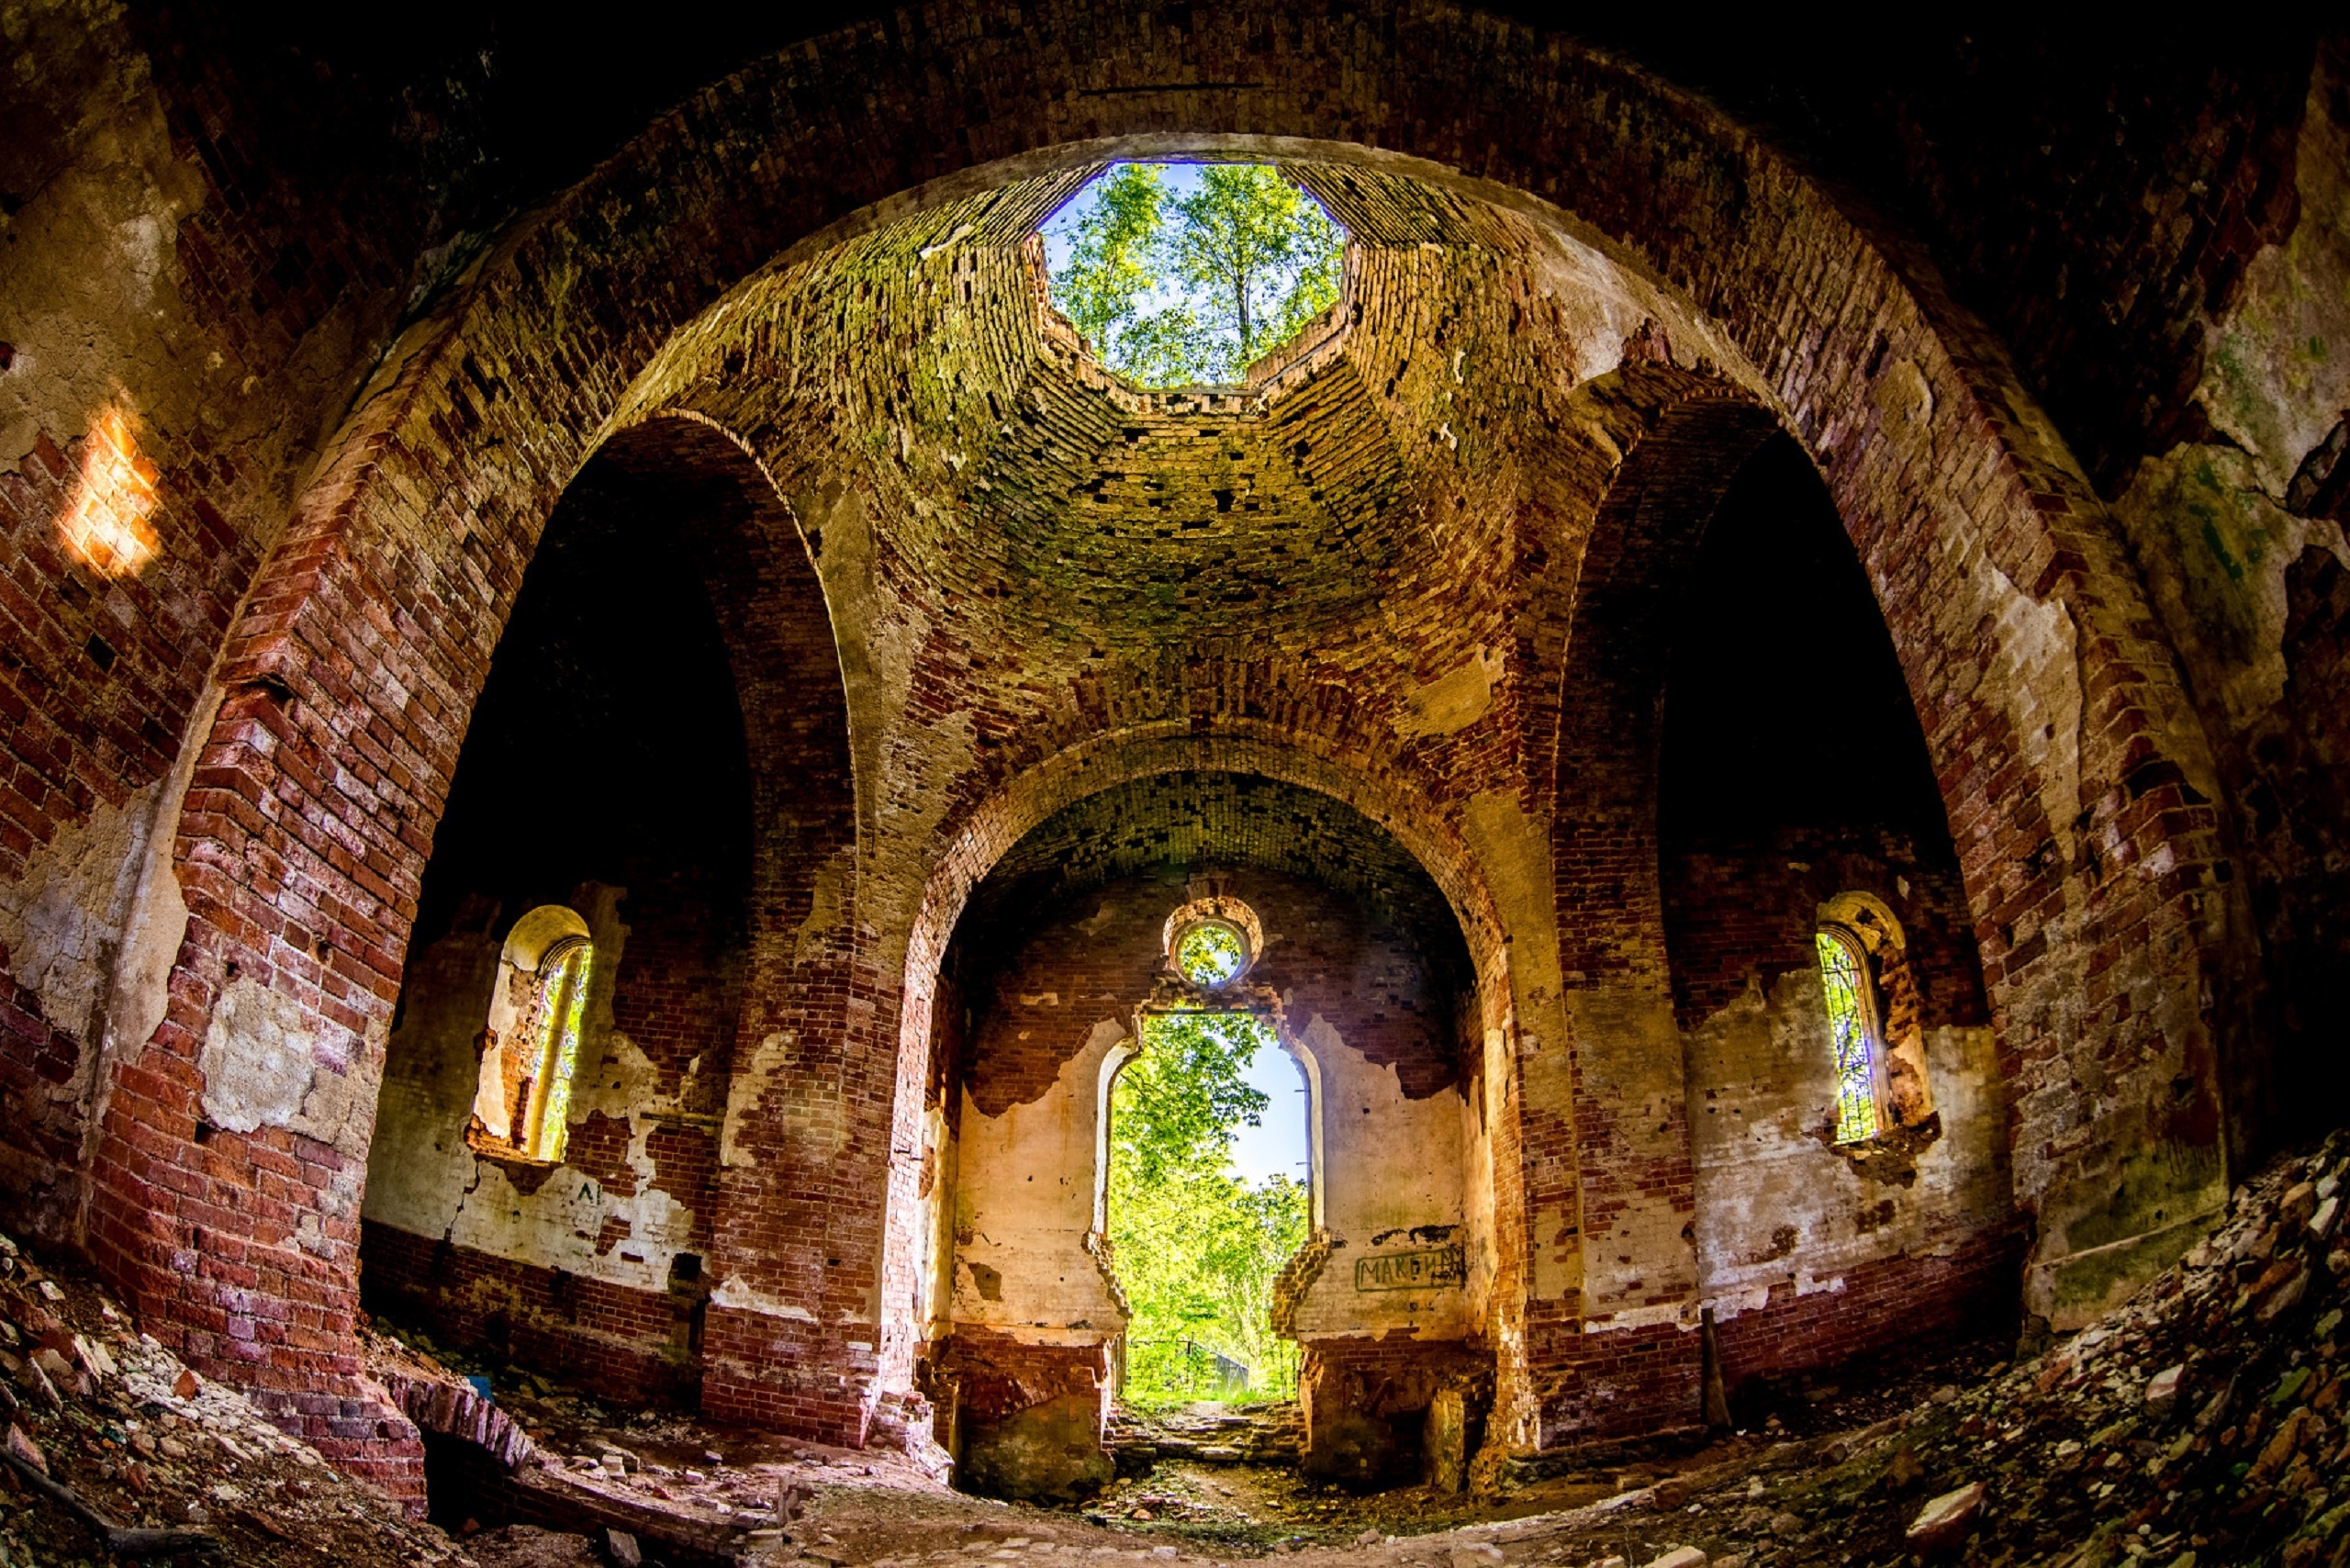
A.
x: 2219, y: 549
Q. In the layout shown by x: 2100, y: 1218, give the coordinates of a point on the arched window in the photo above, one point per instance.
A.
x: 1855, y: 1033
x: 530, y: 1044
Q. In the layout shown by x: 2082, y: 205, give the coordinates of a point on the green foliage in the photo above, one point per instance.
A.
x: 1196, y: 1248
x: 1210, y: 953
x: 1176, y: 291
x: 1174, y: 1106
x: 1113, y: 263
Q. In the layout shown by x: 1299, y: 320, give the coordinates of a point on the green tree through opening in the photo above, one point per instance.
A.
x: 1195, y: 1246
x: 1185, y: 274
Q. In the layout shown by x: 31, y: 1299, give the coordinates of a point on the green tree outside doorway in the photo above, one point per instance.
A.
x: 1196, y: 1246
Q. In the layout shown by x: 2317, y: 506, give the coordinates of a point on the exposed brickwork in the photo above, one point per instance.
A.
x: 1365, y: 1401
x: 1621, y: 1383
x: 996, y: 1375
x: 1965, y: 1288
x: 1735, y: 916
x: 1061, y: 936
x: 1512, y: 439
x: 627, y: 1346
x: 226, y: 342
x: 1390, y: 986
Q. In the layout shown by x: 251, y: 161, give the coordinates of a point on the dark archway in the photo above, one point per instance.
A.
x: 661, y: 747
x: 1794, y: 787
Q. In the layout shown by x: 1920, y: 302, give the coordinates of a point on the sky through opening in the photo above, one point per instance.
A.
x: 1184, y: 274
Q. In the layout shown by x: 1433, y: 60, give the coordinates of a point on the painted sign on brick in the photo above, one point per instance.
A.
x: 1431, y: 1268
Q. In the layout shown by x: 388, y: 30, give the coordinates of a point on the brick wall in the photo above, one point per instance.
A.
x: 2073, y: 774
x: 1967, y: 1287
x: 628, y: 1346
x: 1366, y: 1401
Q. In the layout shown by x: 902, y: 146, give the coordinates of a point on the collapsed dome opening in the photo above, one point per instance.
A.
x: 1186, y: 274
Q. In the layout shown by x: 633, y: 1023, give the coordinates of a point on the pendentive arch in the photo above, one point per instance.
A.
x: 367, y: 635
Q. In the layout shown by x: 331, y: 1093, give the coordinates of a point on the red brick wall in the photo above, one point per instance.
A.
x: 1968, y: 1287
x: 1624, y: 1382
x: 355, y: 664
x: 628, y: 1346
x: 607, y: 754
x: 1746, y: 911
x: 1101, y: 951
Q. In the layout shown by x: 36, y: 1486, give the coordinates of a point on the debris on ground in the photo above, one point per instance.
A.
x: 2200, y: 1425
x: 110, y: 1436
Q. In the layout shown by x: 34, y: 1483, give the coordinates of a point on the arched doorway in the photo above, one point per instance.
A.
x: 1069, y: 960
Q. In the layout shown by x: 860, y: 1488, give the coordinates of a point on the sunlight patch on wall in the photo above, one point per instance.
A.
x: 104, y: 523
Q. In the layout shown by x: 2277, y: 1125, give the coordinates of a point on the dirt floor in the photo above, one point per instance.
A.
x: 2204, y: 1425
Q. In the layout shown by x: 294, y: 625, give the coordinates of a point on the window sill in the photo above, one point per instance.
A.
x: 489, y: 1148
x: 1891, y: 1155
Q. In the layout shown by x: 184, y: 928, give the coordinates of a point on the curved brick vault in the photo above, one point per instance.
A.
x: 1578, y: 298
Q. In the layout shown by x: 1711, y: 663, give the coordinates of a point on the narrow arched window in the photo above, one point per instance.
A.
x: 531, y: 1043
x: 558, y: 1002
x: 1853, y: 1032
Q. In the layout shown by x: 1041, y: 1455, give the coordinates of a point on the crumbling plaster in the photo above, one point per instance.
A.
x: 550, y: 276
x: 1395, y: 1183
x: 2217, y: 526
x: 1777, y: 1206
x: 424, y: 1178
x: 1026, y: 1201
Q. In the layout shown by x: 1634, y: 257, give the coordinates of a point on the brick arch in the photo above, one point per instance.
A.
x: 810, y: 950
x: 1019, y: 806
x: 772, y: 612
x: 1611, y: 681
x: 364, y: 640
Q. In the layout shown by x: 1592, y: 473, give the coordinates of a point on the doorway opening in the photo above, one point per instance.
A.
x: 1208, y: 1195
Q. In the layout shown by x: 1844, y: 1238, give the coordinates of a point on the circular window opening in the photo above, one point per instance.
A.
x: 1211, y: 952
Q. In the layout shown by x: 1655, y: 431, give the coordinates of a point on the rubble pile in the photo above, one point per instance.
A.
x: 671, y: 1489
x: 2201, y: 1424
x: 107, y: 1432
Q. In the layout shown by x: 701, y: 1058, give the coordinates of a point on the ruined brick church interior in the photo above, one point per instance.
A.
x: 613, y: 729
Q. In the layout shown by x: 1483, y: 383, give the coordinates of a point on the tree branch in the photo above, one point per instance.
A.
x: 121, y: 1539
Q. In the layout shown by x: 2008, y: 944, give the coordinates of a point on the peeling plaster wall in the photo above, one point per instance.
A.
x: 1396, y: 1089
x: 1795, y: 791
x: 182, y: 325
x: 614, y: 1213
x: 1395, y: 1184
x: 1781, y: 1214
x: 2240, y: 533
x: 1026, y: 1181
x: 609, y: 745
x: 424, y: 1178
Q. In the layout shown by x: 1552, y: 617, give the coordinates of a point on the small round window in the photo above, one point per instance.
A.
x: 1211, y: 952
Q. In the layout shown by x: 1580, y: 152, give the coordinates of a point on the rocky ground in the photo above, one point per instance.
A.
x: 137, y: 1440
x: 2202, y: 1424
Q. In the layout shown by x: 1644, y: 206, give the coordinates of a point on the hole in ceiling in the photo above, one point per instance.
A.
x: 1185, y: 274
